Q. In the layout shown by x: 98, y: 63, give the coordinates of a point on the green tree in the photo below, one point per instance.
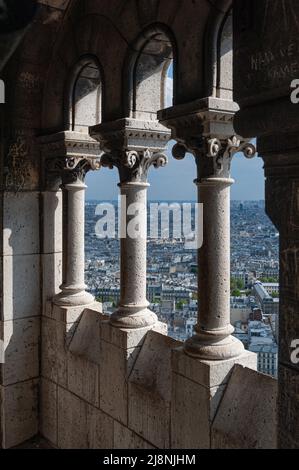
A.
x: 236, y: 293
x: 236, y: 284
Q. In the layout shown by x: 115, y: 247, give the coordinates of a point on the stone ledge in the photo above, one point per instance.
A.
x: 209, y: 373
x: 128, y: 338
x: 246, y: 417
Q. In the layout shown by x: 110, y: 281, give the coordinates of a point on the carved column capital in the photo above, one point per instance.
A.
x: 68, y: 157
x: 132, y: 146
x: 133, y: 165
x: 220, y: 151
x: 204, y: 128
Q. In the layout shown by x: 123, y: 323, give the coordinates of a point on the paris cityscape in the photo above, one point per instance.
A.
x: 172, y: 279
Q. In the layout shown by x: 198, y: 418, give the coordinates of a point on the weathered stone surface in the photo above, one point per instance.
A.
x: 52, y: 275
x: 21, y: 347
x: 149, y: 416
x: 262, y: 63
x: 244, y: 420
x: 100, y: 431
x: 87, y: 338
x: 81, y: 426
x: 83, y: 379
x: 209, y: 373
x: 193, y: 409
x: 126, y: 439
x: 152, y: 369
x: 20, y: 414
x: 114, y: 393
x: 52, y: 207
x: 72, y: 421
x: 288, y: 408
x: 48, y: 410
x: 150, y: 390
x: 21, y: 223
x: 128, y: 338
x: 54, y: 355
x: 21, y: 297
x: 66, y: 315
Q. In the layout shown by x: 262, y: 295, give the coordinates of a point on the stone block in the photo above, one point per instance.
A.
x: 52, y: 223
x: 48, y: 410
x: 87, y: 338
x: 126, y: 439
x: 54, y: 354
x: 21, y: 297
x: 116, y: 366
x: 21, y: 223
x: 149, y: 416
x: 152, y: 369
x: 288, y: 408
x: 81, y: 426
x: 100, y: 429
x: 20, y: 413
x: 72, y: 421
x: 246, y: 417
x: 209, y: 373
x: 21, y: 350
x: 150, y: 390
x: 52, y: 276
x: 83, y: 379
x: 67, y: 315
x: 128, y: 338
x: 192, y: 411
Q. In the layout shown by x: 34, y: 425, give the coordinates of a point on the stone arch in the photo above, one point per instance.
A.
x: 79, y: 42
x: 145, y: 72
x: 218, y: 51
x: 83, y: 100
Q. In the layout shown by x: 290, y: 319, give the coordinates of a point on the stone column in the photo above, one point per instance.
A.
x: 68, y: 158
x: 133, y: 308
x: 133, y: 146
x: 213, y: 339
x: 73, y: 289
x: 206, y: 133
x: 202, y: 368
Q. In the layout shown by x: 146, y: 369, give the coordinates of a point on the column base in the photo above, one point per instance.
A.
x: 214, y: 350
x: 73, y: 299
x: 133, y: 317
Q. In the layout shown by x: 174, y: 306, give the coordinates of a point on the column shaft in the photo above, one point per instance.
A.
x: 214, y: 256
x: 73, y: 289
x: 213, y: 340
x: 133, y: 309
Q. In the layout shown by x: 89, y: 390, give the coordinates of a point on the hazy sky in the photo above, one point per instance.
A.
x: 175, y: 182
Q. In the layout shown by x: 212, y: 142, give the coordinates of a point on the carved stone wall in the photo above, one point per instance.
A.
x: 266, y: 61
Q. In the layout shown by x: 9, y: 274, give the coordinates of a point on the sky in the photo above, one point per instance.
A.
x: 175, y: 181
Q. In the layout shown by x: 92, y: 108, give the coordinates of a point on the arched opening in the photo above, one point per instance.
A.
x: 254, y: 240
x: 85, y: 97
x: 147, y: 74
x: 224, y: 83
